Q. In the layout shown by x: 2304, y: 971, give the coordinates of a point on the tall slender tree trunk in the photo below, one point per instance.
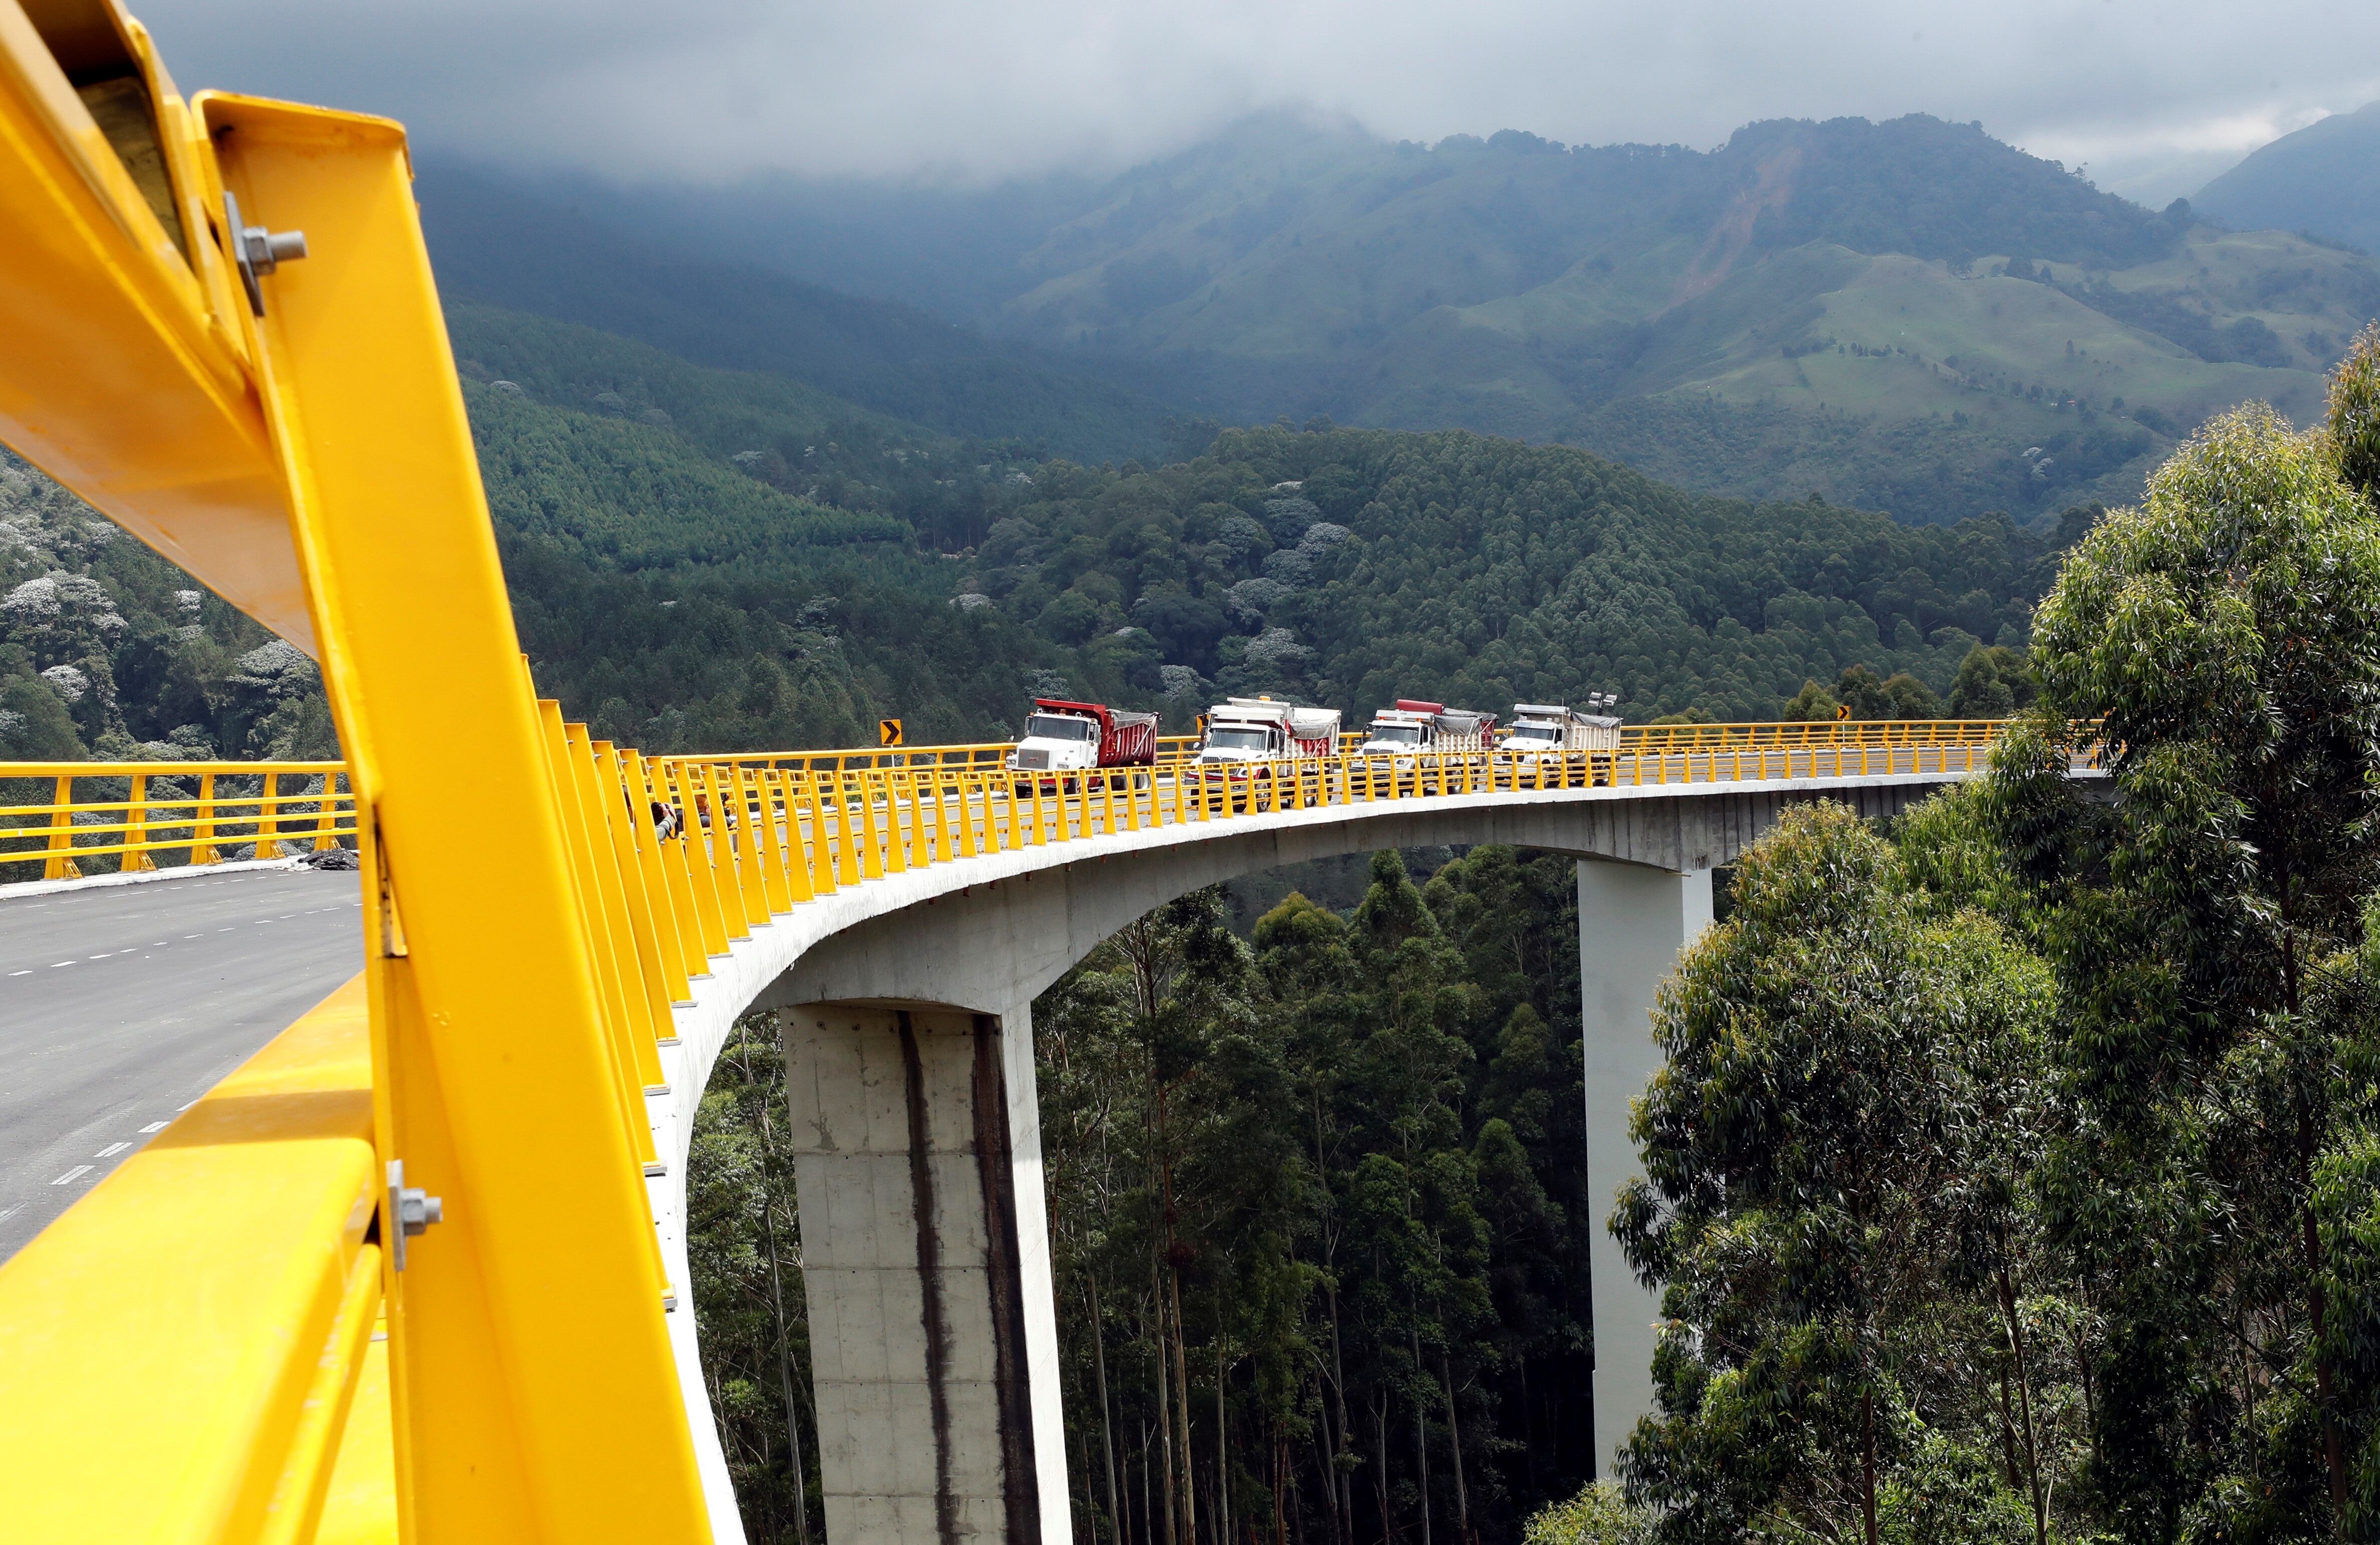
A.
x: 784, y: 1351
x: 1107, y: 1412
x: 1189, y: 1492
x: 1148, y: 1513
x: 1454, y: 1443
x: 1164, y: 1414
x: 1421, y: 1443
x: 1343, y: 1529
x: 1868, y: 1466
x: 1223, y: 1451
x: 2024, y: 1398
x: 2334, y: 1450
x: 1381, y: 1470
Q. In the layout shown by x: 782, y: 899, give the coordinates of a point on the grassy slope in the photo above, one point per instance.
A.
x: 1519, y: 290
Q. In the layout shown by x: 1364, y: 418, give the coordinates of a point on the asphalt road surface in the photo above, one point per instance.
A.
x: 121, y: 1004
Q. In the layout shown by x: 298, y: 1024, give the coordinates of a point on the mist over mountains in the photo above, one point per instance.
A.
x: 2323, y: 179
x: 1908, y: 315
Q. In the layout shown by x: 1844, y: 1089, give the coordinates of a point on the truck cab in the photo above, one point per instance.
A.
x: 1551, y: 746
x: 1414, y: 725
x: 1073, y: 742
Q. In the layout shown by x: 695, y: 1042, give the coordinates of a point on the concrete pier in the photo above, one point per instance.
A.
x: 1631, y: 923
x: 914, y: 1257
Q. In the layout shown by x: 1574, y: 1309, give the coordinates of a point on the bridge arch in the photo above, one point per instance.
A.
x: 905, y: 1007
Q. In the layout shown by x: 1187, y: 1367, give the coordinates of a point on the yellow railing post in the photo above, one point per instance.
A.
x: 326, y: 816
x: 871, y: 860
x: 202, y: 835
x: 268, y: 810
x: 60, y: 864
x: 137, y: 858
x: 650, y: 927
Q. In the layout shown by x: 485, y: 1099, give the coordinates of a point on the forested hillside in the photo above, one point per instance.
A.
x: 704, y: 559
x: 1908, y: 316
x: 107, y: 649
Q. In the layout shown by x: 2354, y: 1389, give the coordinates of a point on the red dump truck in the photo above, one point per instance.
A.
x: 1077, y: 742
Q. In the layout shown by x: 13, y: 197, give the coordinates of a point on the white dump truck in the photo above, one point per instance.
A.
x: 1549, y: 745
x: 1414, y: 725
x: 1250, y: 742
x: 1415, y: 742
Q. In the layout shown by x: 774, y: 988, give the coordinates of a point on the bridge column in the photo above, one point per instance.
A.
x: 1631, y: 923
x: 925, y: 1257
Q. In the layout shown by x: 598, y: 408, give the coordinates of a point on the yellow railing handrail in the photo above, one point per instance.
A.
x: 64, y: 832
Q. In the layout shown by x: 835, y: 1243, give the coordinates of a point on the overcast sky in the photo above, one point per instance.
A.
x: 2153, y: 96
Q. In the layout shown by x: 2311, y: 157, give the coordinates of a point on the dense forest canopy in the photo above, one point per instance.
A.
x: 711, y: 560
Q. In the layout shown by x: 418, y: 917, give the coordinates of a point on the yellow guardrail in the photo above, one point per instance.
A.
x: 699, y: 848
x: 130, y: 815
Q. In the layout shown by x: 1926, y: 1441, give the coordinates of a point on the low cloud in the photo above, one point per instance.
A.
x: 717, y: 89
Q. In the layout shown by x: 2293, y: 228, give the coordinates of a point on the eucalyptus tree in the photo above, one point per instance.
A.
x: 2219, y: 648
x: 1837, y: 1052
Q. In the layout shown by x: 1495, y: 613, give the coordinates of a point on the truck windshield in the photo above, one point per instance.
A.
x: 1059, y: 727
x: 1535, y: 732
x: 1235, y: 740
x: 1398, y: 735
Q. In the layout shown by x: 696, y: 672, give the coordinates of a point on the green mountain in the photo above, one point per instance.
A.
x: 495, y: 244
x: 1907, y: 315
x: 2323, y: 179
x: 711, y: 559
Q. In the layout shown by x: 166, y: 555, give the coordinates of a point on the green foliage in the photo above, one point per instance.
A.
x: 2354, y: 419
x: 744, y: 1245
x: 1831, y: 1155
x: 1993, y: 682
x: 1600, y: 1514
x: 108, y: 650
x: 2205, y: 1187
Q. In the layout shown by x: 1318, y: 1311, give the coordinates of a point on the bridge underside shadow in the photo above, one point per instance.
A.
x: 925, y: 1242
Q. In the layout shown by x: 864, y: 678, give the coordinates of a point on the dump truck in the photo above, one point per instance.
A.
x: 1082, y: 746
x: 1258, y: 729
x: 1550, y: 745
x: 1248, y: 739
x: 1415, y: 745
x: 1414, y: 725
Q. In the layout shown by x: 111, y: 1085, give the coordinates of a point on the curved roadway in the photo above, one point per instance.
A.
x: 120, y: 1004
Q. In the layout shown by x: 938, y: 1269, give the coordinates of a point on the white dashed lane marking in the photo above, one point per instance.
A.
x: 72, y: 1176
x: 111, y: 1150
x: 154, y: 1126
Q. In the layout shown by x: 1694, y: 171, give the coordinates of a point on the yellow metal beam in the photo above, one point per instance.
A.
x: 160, y: 1342
x: 535, y: 1395
x: 124, y: 376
